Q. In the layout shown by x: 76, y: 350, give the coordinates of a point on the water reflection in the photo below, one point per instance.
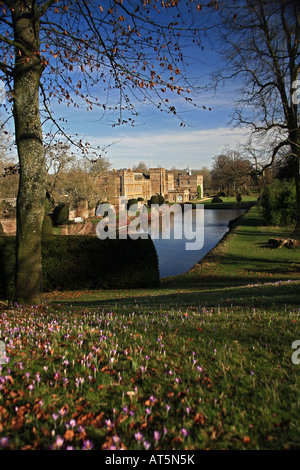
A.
x: 173, y: 256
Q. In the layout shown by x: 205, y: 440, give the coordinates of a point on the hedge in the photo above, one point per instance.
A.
x: 47, y: 228
x: 153, y: 200
x: 80, y: 262
x: 216, y: 199
x: 60, y: 214
x: 278, y: 203
x: 131, y: 202
x: 156, y: 199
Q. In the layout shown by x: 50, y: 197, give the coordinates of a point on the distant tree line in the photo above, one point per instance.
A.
x: 71, y: 180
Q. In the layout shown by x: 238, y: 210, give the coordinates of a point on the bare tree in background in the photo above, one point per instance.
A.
x: 259, y: 41
x: 78, y: 182
x: 231, y: 172
x: 141, y: 167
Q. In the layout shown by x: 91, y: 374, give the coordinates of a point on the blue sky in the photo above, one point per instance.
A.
x: 157, y: 138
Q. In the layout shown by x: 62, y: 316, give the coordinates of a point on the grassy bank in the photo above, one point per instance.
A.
x: 230, y: 203
x: 202, y: 362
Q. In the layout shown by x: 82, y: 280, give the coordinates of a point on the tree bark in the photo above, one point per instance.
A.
x: 29, y: 140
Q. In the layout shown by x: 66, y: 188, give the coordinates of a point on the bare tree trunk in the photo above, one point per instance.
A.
x: 31, y: 195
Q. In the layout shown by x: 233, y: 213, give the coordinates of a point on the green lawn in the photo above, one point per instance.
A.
x: 230, y: 202
x: 202, y: 362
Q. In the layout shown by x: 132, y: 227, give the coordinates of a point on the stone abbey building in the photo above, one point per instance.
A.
x: 133, y: 185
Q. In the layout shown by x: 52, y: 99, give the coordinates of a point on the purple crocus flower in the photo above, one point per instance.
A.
x: 4, y: 441
x: 138, y: 436
x: 87, y: 445
x: 184, y: 432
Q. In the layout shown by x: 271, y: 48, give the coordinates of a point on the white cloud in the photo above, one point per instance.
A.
x: 180, y: 148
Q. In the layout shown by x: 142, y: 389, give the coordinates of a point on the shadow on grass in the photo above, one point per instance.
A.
x: 246, y: 261
x: 253, y: 294
x: 260, y: 272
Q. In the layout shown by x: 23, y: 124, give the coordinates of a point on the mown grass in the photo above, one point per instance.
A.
x: 230, y: 202
x: 203, y: 362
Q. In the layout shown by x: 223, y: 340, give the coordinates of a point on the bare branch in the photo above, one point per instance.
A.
x: 44, y: 8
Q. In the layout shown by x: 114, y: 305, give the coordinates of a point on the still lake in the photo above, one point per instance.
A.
x: 173, y: 256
